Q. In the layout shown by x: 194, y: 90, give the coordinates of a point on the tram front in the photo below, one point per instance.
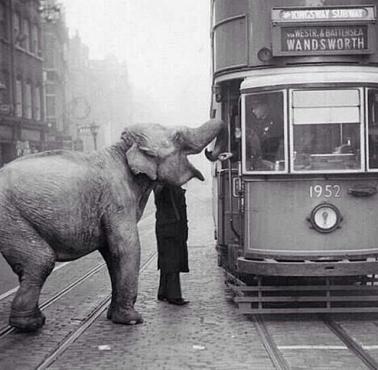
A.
x: 297, y: 204
x: 310, y: 171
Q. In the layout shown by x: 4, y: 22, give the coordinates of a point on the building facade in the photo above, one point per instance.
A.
x: 22, y: 125
x: 78, y: 91
x: 55, y: 41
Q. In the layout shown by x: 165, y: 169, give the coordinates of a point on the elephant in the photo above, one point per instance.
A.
x: 60, y: 205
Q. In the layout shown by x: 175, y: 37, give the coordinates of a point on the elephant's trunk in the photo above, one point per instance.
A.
x: 219, y: 147
x: 196, y: 139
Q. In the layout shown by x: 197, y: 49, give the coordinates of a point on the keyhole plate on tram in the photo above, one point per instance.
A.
x: 325, y: 218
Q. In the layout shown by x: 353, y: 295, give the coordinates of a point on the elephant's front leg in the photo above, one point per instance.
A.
x: 123, y: 262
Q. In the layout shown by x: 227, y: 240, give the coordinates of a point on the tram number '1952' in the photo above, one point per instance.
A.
x: 326, y: 191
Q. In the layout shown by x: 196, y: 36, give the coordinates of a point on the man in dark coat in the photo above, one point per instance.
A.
x: 264, y: 133
x: 171, y: 235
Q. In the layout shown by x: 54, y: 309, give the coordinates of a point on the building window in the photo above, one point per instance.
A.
x: 17, y: 29
x: 50, y: 52
x: 18, y: 97
x: 34, y: 39
x: 26, y: 41
x: 50, y: 106
x: 3, y: 22
x: 50, y: 101
x: 28, y: 100
x: 37, y: 103
x: 4, y: 87
x: 39, y: 46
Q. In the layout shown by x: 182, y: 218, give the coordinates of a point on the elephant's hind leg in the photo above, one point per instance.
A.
x: 32, y: 259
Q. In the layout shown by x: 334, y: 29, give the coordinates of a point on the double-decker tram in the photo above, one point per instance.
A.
x: 296, y: 198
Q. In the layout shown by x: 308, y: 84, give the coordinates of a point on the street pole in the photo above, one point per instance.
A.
x: 94, y: 131
x: 94, y: 140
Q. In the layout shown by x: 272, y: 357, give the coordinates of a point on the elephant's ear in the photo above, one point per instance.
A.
x: 141, y: 160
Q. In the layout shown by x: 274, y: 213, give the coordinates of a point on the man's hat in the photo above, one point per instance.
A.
x: 259, y: 99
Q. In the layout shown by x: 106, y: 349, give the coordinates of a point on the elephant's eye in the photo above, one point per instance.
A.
x: 148, y: 151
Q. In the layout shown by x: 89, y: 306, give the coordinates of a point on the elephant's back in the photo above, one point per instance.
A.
x: 54, y: 192
x: 61, y: 196
x: 50, y: 171
x: 48, y: 163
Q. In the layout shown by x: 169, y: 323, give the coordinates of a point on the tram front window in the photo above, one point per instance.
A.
x: 326, y: 130
x: 264, y: 127
x: 373, y: 128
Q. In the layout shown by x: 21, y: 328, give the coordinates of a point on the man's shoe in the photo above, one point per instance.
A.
x: 161, y: 298
x: 178, y: 301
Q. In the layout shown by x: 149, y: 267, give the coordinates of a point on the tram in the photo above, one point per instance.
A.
x: 295, y: 194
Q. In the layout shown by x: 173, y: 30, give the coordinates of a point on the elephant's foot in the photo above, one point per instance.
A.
x: 126, y: 317
x: 27, y: 320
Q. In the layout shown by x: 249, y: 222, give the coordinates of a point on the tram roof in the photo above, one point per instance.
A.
x: 310, y: 75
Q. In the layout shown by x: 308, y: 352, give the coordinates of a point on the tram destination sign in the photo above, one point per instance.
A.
x: 323, y: 31
x: 331, y: 14
x: 348, y: 39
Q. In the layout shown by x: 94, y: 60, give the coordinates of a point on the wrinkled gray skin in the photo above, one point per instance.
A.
x: 220, y: 146
x: 62, y: 205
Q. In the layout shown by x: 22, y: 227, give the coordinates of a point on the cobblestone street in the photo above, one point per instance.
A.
x: 208, y: 333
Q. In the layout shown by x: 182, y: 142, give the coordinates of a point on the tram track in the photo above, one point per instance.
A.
x: 352, y: 345
x: 90, y: 319
x: 70, y: 298
x: 14, y: 290
x: 269, y: 344
x: 6, y: 330
x: 279, y: 361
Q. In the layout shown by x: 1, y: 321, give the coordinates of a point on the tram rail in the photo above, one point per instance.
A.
x: 6, y: 330
x: 352, y: 345
x: 91, y: 318
x: 14, y: 290
x: 270, y: 346
x: 278, y: 359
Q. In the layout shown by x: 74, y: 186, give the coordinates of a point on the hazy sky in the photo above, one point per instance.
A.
x: 165, y: 43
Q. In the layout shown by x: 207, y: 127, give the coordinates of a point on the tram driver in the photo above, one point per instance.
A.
x: 264, y: 132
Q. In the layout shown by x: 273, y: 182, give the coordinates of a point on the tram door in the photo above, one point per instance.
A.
x: 229, y: 210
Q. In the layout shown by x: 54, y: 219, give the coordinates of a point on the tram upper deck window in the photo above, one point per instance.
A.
x: 326, y: 130
x: 264, y: 132
x: 373, y: 128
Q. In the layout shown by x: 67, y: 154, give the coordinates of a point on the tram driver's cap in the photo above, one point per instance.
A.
x: 258, y: 99
x: 259, y: 106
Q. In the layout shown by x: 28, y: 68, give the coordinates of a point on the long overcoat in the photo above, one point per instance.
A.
x: 171, y: 229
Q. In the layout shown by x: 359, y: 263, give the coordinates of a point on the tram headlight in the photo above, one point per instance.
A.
x: 325, y: 218
x: 264, y: 55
